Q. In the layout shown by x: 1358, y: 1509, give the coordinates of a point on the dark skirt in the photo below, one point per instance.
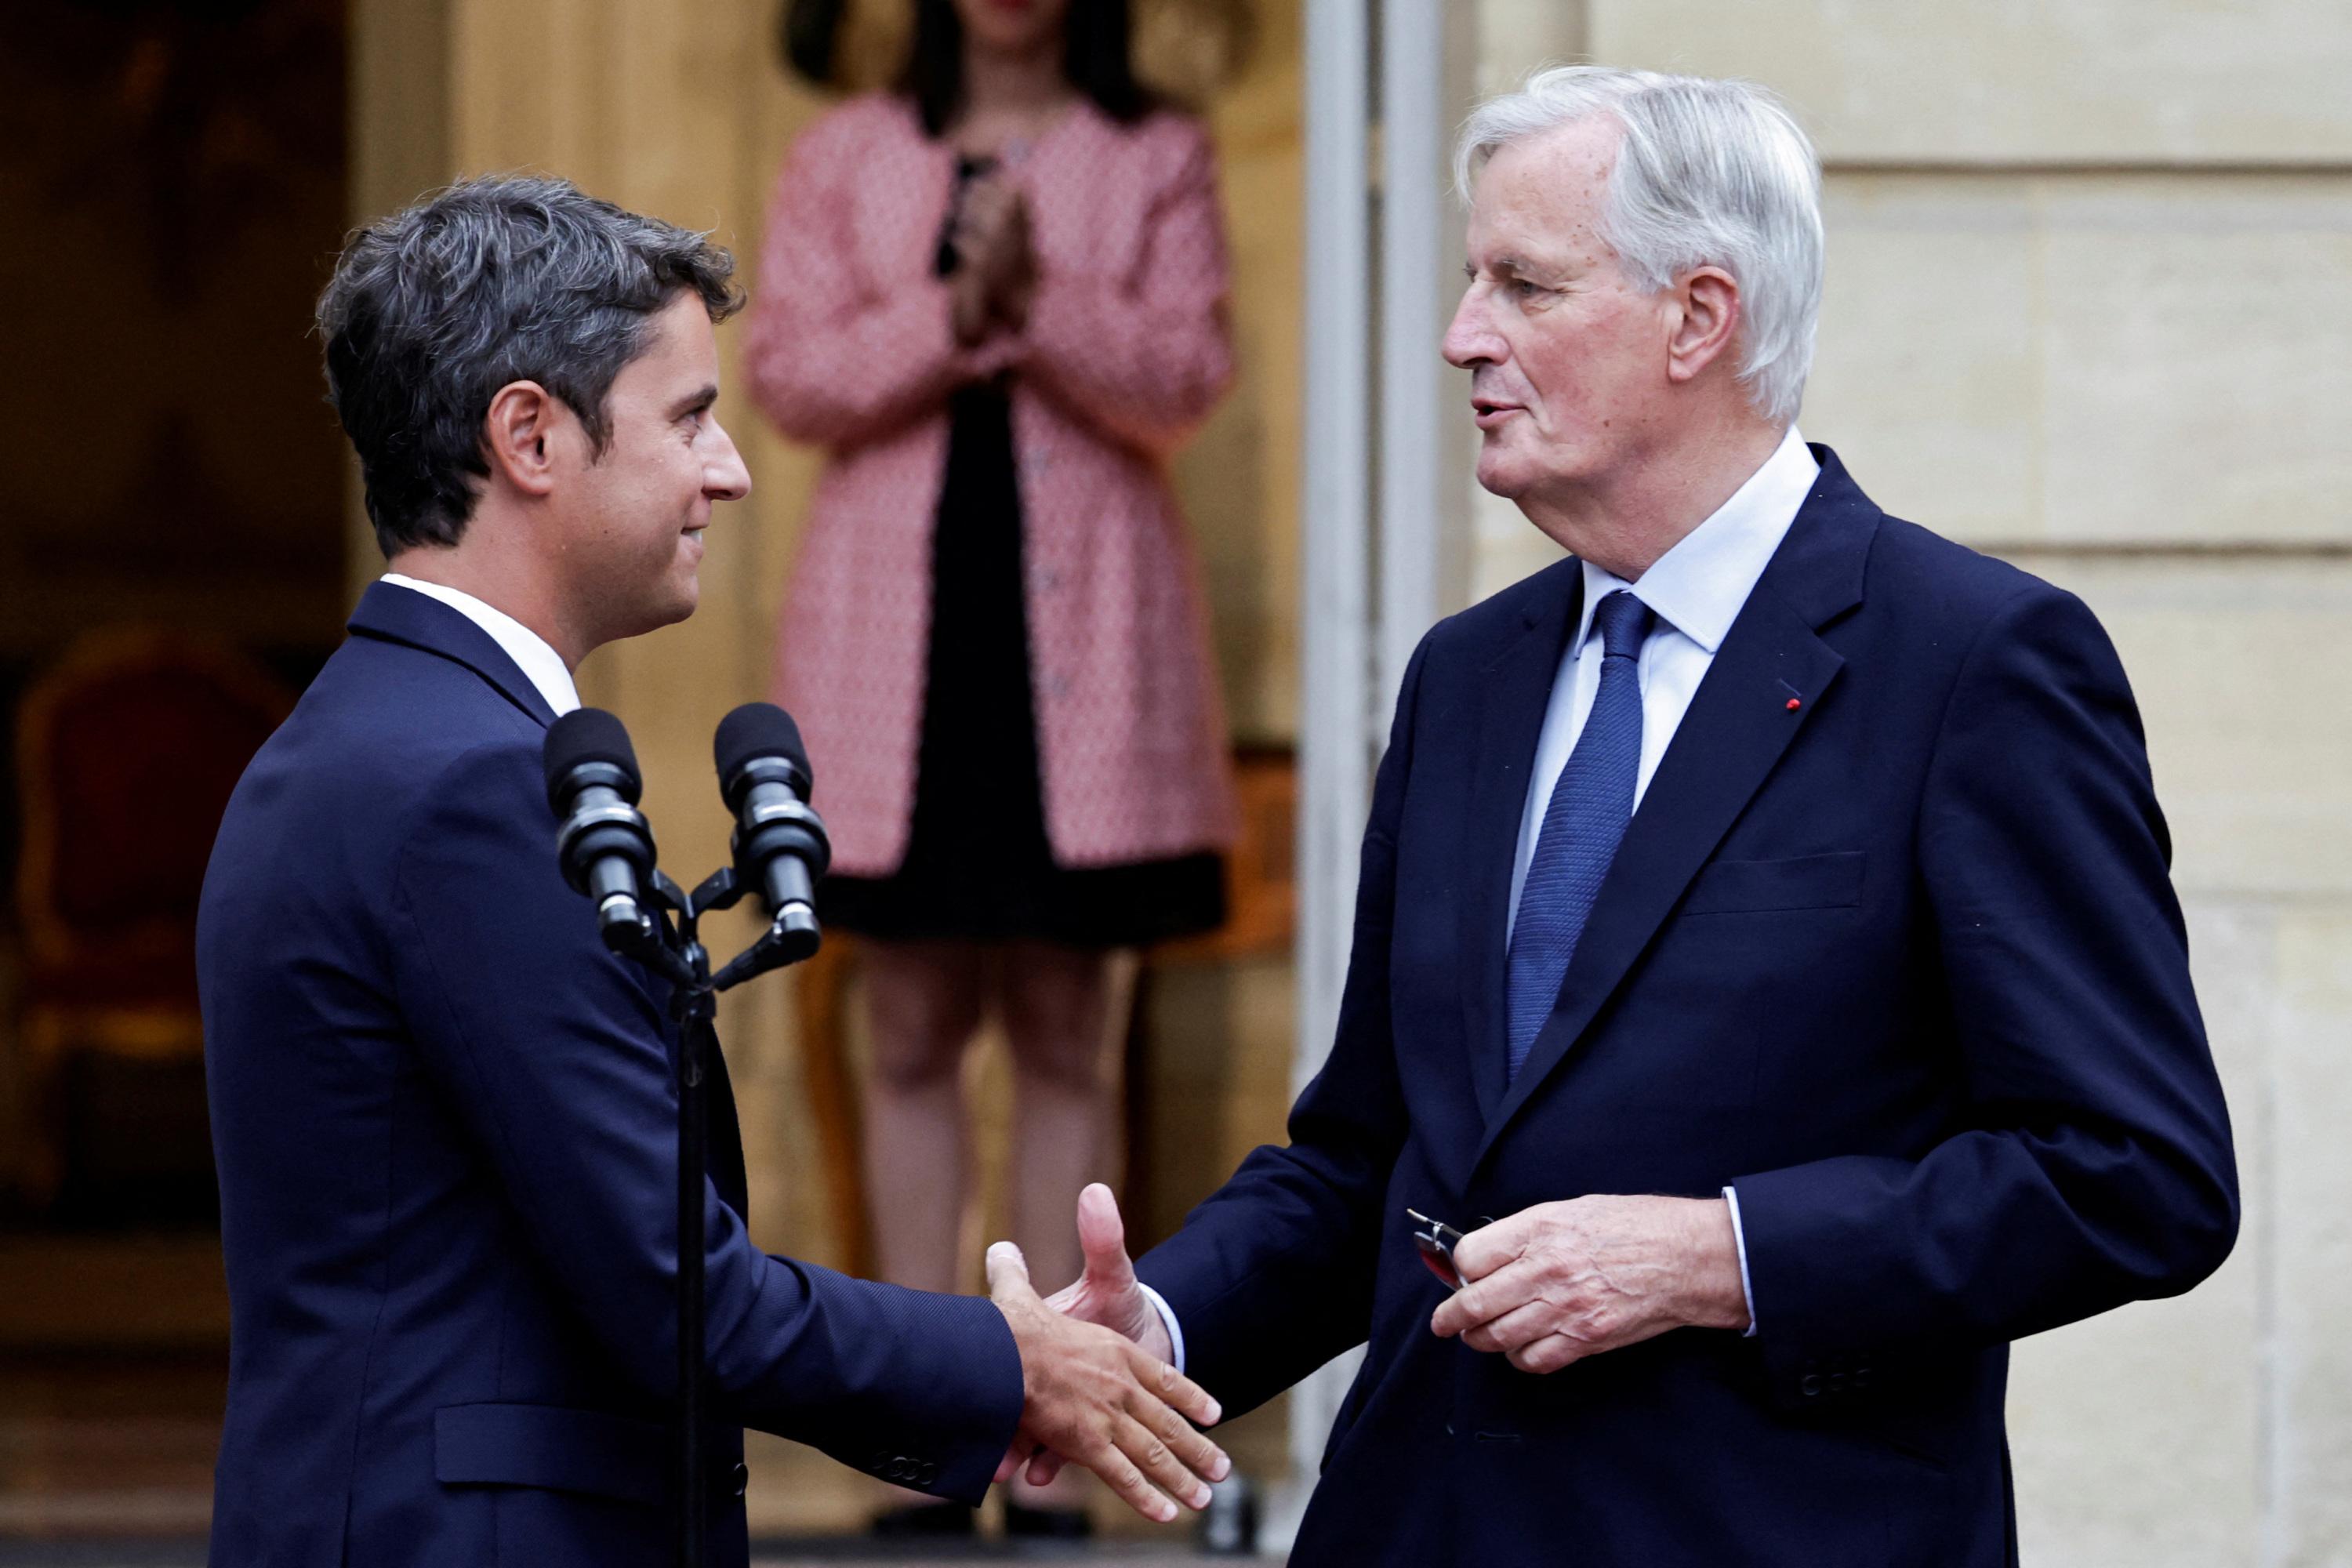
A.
x: 979, y: 867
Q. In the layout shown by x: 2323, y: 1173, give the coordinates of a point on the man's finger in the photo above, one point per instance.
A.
x: 1174, y: 1389
x: 1102, y: 1238
x: 1548, y: 1354
x: 1045, y: 1468
x: 1159, y: 1462
x: 1483, y: 1302
x: 1008, y: 1274
x: 1191, y: 1447
x: 1120, y: 1473
x: 1521, y: 1325
x: 1490, y: 1247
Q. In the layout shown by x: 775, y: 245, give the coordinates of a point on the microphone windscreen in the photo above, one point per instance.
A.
x: 757, y: 730
x: 587, y: 735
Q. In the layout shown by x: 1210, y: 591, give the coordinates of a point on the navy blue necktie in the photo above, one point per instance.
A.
x: 1582, y: 823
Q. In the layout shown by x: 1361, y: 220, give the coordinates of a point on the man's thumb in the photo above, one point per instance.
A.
x: 1008, y: 1273
x: 1102, y: 1238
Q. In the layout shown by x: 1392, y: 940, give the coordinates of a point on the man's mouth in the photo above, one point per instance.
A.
x: 1489, y: 412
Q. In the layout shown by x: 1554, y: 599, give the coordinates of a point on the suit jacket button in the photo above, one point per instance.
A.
x: 1861, y: 1378
x: 1837, y: 1383
x: 741, y: 1476
x: 928, y: 1474
x: 1810, y: 1387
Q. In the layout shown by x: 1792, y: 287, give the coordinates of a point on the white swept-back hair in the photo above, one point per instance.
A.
x: 1711, y: 174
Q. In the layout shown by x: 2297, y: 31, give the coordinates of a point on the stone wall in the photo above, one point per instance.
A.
x: 2090, y: 277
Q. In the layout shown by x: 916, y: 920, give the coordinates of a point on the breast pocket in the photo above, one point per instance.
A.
x: 1832, y: 881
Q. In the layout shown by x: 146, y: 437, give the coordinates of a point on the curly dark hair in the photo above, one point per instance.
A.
x: 511, y: 278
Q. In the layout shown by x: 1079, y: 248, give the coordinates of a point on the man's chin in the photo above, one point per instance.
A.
x: 668, y: 611
x: 1500, y: 474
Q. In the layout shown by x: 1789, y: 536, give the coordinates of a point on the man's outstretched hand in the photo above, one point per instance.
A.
x: 1093, y: 1396
x: 1107, y: 1293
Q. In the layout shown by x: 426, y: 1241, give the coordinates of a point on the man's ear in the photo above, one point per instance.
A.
x: 1702, y: 322
x: 518, y: 433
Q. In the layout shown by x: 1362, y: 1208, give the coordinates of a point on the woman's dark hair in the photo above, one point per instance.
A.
x: 811, y: 28
x: 1094, y: 58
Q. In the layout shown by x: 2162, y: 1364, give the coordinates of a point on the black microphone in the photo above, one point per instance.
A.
x: 605, y: 847
x: 780, y: 845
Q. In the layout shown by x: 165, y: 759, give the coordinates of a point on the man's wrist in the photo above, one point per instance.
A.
x: 1719, y: 1300
x: 1173, y: 1352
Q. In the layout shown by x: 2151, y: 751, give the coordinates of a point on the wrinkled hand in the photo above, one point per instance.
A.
x: 1103, y: 1401
x: 1557, y: 1282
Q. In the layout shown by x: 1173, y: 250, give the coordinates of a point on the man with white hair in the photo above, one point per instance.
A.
x: 1764, y: 914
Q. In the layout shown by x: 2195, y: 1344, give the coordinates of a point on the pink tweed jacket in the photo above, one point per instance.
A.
x: 849, y: 345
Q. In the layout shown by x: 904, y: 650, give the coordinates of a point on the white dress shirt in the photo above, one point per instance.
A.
x: 1695, y: 590
x: 539, y: 664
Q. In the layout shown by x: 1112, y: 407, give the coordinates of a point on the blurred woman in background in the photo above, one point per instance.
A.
x: 996, y: 296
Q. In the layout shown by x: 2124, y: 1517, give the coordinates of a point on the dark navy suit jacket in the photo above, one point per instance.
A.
x: 1902, y: 964
x: 447, y: 1141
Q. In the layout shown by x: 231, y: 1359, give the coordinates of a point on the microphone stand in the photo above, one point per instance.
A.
x: 676, y: 953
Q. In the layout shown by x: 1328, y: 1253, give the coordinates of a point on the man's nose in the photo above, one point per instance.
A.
x: 1469, y: 340
x: 725, y: 478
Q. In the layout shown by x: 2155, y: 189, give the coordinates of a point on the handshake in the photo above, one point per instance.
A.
x: 1097, y: 1385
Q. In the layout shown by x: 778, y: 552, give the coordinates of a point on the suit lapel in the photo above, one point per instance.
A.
x: 1737, y: 727
x: 394, y: 614
x: 1515, y: 686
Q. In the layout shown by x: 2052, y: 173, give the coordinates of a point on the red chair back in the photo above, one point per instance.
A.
x: 126, y: 752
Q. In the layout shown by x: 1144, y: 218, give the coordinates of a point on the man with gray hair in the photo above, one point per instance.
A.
x: 442, y: 1112
x: 1764, y: 917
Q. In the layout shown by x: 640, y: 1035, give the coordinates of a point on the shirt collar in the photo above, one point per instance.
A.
x: 1699, y: 585
x: 539, y: 664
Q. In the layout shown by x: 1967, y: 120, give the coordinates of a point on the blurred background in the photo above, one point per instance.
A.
x: 2089, y: 286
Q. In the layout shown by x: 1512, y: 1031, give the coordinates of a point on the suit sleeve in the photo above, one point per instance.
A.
x: 1143, y: 357
x: 828, y: 359
x: 2093, y: 1164
x: 1272, y: 1276
x: 555, y: 1054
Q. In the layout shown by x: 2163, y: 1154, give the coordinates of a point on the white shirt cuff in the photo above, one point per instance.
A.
x: 1176, y: 1334
x: 1738, y: 1238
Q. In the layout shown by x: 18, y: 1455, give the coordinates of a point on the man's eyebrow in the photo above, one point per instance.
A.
x: 695, y: 402
x: 1502, y: 266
